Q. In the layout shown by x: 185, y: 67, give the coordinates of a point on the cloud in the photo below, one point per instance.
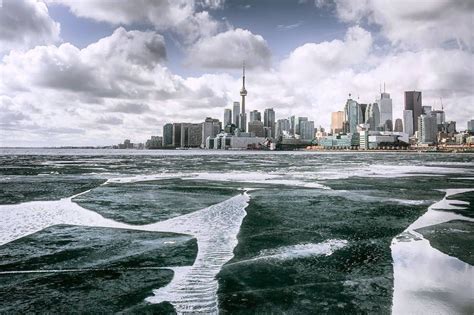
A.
x: 229, y: 49
x: 415, y: 24
x: 25, y: 24
x: 130, y: 108
x: 109, y: 120
x: 125, y: 64
x: 316, y: 60
x: 179, y: 16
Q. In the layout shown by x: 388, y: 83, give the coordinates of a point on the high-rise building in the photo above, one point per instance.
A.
x: 236, y: 114
x: 363, y: 111
x: 298, y: 124
x: 243, y: 93
x: 293, y: 124
x: 440, y: 116
x: 470, y: 125
x: 352, y: 113
x: 191, y: 135
x: 373, y: 116
x: 176, y: 135
x: 269, y: 120
x: 256, y: 127
x: 210, y: 128
x: 398, y: 125
x: 227, y: 116
x: 307, y: 130
x: 408, y: 122
x: 337, y: 122
x: 385, y: 108
x: 255, y: 115
x: 167, y: 135
x: 413, y: 103
x: 283, y: 126
x: 427, y: 129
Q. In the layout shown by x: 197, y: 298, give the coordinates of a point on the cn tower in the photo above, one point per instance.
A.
x: 243, y: 93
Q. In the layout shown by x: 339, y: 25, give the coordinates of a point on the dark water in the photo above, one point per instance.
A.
x: 320, y: 233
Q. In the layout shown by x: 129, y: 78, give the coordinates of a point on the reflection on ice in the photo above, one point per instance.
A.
x: 426, y: 281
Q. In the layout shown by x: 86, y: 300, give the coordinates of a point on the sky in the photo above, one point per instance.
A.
x: 96, y: 72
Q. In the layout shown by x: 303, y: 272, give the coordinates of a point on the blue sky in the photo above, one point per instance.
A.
x: 95, y: 72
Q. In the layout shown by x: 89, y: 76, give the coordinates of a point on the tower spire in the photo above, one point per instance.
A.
x: 243, y: 74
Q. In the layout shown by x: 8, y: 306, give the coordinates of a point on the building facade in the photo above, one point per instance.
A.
x: 413, y: 102
x: 408, y: 122
x: 307, y: 130
x: 210, y: 128
x: 167, y: 135
x: 256, y: 128
x: 337, y: 122
x: 427, y: 129
x: 398, y: 125
x: 385, y: 108
x: 227, y: 117
x: 269, y: 120
x: 255, y: 115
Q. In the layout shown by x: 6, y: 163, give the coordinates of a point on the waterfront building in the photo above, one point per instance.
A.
x: 283, y: 127
x: 470, y: 125
x: 269, y: 120
x: 191, y: 135
x: 398, y: 125
x: 225, y: 141
x: 352, y: 114
x: 256, y: 128
x: 243, y: 93
x: 408, y: 122
x: 341, y: 141
x: 306, y: 130
x: 427, y: 129
x: 293, y: 124
x: 210, y: 128
x: 155, y: 142
x: 337, y: 122
x: 167, y: 135
x: 320, y: 132
x: 176, y: 141
x: 385, y: 108
x: 413, y: 102
x: 298, y: 125
x: 373, y: 116
x: 255, y: 115
x: 227, y: 117
x: 236, y: 114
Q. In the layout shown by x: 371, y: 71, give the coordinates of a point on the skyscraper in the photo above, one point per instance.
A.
x: 269, y: 120
x: 352, y: 113
x: 210, y: 128
x: 255, y: 115
x: 427, y: 129
x: 373, y: 116
x: 236, y: 114
x: 408, y: 122
x: 256, y: 127
x: 299, y: 120
x: 307, y: 130
x: 470, y: 125
x: 363, y: 111
x: 283, y: 125
x: 167, y: 135
x: 337, y: 122
x: 176, y: 135
x: 398, y: 125
x: 243, y: 93
x: 227, y: 116
x: 413, y: 103
x: 385, y: 108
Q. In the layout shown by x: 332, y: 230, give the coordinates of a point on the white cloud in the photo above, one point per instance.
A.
x: 415, y: 24
x: 26, y: 23
x: 179, y: 16
x: 229, y: 49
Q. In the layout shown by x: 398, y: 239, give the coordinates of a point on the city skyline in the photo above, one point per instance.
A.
x: 87, y: 73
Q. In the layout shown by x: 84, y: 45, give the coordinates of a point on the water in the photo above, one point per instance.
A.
x: 235, y: 232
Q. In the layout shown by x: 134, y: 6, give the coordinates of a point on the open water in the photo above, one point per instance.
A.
x: 204, y: 232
